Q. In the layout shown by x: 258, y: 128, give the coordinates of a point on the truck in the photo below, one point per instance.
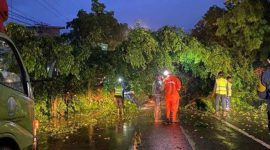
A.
x: 17, y: 124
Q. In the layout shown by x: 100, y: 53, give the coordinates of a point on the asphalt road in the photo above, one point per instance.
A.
x: 206, y: 132
x: 194, y: 131
x: 161, y: 136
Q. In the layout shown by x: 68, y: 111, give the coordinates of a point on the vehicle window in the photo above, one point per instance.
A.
x: 10, y: 73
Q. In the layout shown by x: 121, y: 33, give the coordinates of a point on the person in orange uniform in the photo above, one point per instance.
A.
x: 172, y: 86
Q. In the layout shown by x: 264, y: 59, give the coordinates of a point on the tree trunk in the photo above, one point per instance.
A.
x: 89, y: 92
x: 54, y: 107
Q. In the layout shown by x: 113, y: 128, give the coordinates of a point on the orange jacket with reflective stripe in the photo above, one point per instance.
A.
x: 172, y: 86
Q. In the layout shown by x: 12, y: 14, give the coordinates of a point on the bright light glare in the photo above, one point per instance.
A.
x: 120, y: 80
x: 166, y: 72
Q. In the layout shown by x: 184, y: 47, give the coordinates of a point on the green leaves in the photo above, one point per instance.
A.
x: 224, y: 39
x: 64, y: 59
x: 244, y: 25
x: 218, y: 59
x: 140, y: 48
x: 170, y: 39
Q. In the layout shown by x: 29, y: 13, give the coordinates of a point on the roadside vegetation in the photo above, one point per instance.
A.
x: 234, y: 39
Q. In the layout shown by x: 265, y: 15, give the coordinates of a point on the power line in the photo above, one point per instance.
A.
x: 51, y: 8
x: 45, y: 4
x: 23, y: 14
x: 20, y: 21
x: 48, y: 8
x: 22, y: 17
x: 19, y: 14
x: 57, y: 3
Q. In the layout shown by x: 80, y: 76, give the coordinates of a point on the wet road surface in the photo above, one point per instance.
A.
x: 211, y: 134
x: 160, y: 137
x: 141, y: 133
x: 203, y: 131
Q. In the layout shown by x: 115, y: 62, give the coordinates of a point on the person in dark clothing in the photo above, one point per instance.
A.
x: 157, y: 93
x: 119, y: 98
x: 268, y: 114
x: 263, y: 88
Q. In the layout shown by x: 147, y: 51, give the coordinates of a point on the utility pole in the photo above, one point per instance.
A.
x: 3, y: 14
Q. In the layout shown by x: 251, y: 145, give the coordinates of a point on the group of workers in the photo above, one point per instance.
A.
x: 222, y: 92
x: 167, y: 86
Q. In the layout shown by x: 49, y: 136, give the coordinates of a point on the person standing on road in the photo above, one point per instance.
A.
x: 263, y: 88
x: 229, y: 93
x: 172, y: 86
x: 220, y: 91
x: 119, y: 97
x: 157, y: 93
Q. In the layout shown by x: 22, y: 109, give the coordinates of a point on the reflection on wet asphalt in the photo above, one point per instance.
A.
x: 211, y: 134
x: 161, y: 136
x: 141, y: 133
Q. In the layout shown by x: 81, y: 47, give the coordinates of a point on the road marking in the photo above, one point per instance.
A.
x: 190, y: 141
x: 243, y: 132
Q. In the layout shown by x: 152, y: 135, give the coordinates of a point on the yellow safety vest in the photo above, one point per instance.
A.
x: 229, y: 89
x: 118, y: 91
x: 261, y: 87
x: 221, y: 86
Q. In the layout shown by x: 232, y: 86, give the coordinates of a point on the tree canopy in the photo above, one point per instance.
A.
x: 229, y: 39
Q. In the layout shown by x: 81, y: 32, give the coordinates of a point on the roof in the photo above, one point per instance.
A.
x: 46, y: 26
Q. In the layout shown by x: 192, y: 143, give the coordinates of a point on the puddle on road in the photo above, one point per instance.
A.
x: 139, y: 133
x: 120, y: 135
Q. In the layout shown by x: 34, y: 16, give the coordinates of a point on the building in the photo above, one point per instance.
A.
x: 46, y: 30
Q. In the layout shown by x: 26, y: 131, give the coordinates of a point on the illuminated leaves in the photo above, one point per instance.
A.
x: 244, y: 25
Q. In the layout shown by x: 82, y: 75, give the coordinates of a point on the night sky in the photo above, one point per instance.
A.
x: 150, y: 13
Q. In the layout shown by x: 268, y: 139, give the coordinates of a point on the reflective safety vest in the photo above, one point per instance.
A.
x: 261, y: 87
x: 118, y: 91
x: 221, y: 86
x: 229, y: 89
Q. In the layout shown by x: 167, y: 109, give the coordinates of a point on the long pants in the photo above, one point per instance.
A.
x: 268, y: 114
x: 172, y: 108
x: 157, y: 108
x: 228, y: 102
x: 119, y: 102
x: 223, y: 99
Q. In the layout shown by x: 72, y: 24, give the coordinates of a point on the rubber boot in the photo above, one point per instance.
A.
x: 174, y: 118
